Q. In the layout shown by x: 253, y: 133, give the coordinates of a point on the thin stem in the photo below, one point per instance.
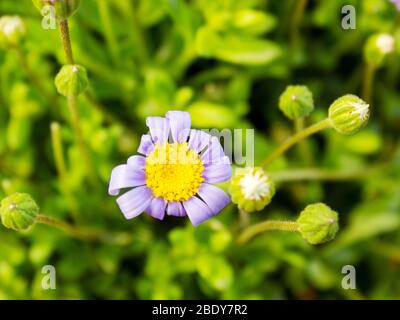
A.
x: 368, y: 82
x: 324, y: 174
x: 268, y: 225
x: 244, y: 217
x: 108, y: 29
x: 303, y: 147
x: 58, y: 152
x: 75, y: 123
x: 66, y: 40
x: 80, y: 233
x: 296, y: 20
x: 299, y: 136
x: 121, y: 238
x: 36, y: 81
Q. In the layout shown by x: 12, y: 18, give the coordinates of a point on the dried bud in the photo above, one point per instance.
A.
x: 378, y: 46
x: 318, y: 223
x: 252, y: 189
x: 72, y: 80
x: 63, y: 9
x: 18, y: 211
x: 296, y: 102
x: 348, y: 114
x: 12, y: 31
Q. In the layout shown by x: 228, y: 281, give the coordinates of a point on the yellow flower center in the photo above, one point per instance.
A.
x: 173, y: 172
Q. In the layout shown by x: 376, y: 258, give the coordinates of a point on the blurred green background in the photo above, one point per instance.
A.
x: 226, y: 62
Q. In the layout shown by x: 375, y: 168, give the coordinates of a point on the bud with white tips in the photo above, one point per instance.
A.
x: 12, y: 31
x: 378, y: 46
x: 252, y: 189
x: 348, y: 114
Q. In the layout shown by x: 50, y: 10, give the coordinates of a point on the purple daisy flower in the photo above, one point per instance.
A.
x: 396, y: 3
x: 175, y: 174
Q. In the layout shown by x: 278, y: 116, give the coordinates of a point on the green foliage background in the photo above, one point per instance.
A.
x: 146, y: 57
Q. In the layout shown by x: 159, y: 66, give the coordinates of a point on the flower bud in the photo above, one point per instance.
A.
x: 296, y: 102
x: 18, y: 211
x: 252, y: 189
x: 318, y: 223
x: 12, y: 31
x: 72, y: 80
x: 348, y: 114
x: 378, y: 46
x: 63, y: 8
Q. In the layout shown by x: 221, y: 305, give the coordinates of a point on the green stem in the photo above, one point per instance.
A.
x: 112, y: 44
x: 324, y: 174
x: 303, y: 147
x: 66, y: 40
x: 296, y: 21
x: 36, y: 81
x: 299, y: 136
x: 75, y: 123
x: 138, y: 35
x: 80, y: 233
x: 368, y: 82
x: 58, y: 152
x: 269, y: 225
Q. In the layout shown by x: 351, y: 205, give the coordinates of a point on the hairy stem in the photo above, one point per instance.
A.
x: 368, y: 82
x: 66, y: 40
x: 268, y: 225
x: 299, y: 136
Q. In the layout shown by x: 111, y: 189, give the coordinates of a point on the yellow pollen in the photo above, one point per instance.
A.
x: 173, y: 172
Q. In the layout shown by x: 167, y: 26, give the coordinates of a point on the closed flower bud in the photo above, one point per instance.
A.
x: 252, y: 189
x: 318, y: 223
x: 348, y: 114
x: 18, y: 211
x: 63, y: 8
x: 378, y: 46
x: 296, y: 102
x: 72, y: 80
x: 12, y: 31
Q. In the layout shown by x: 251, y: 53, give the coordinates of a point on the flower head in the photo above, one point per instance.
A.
x: 348, y: 114
x: 174, y: 174
x: 377, y: 47
x: 252, y: 189
x: 72, y: 80
x: 396, y: 3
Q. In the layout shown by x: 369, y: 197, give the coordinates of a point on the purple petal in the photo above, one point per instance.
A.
x: 175, y: 209
x: 135, y: 201
x: 146, y: 145
x: 157, y: 208
x: 214, y: 173
x: 197, y: 210
x: 214, y: 152
x: 125, y: 176
x: 214, y: 197
x: 137, y: 162
x: 179, y: 122
x: 159, y: 129
x: 198, y: 140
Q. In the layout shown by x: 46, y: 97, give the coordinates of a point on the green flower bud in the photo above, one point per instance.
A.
x: 348, y: 114
x: 377, y: 47
x: 318, y: 223
x: 18, y: 211
x: 63, y: 8
x: 251, y: 189
x: 72, y: 80
x: 296, y: 102
x: 12, y: 31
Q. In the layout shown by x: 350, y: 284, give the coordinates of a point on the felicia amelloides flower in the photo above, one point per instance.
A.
x: 175, y: 173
